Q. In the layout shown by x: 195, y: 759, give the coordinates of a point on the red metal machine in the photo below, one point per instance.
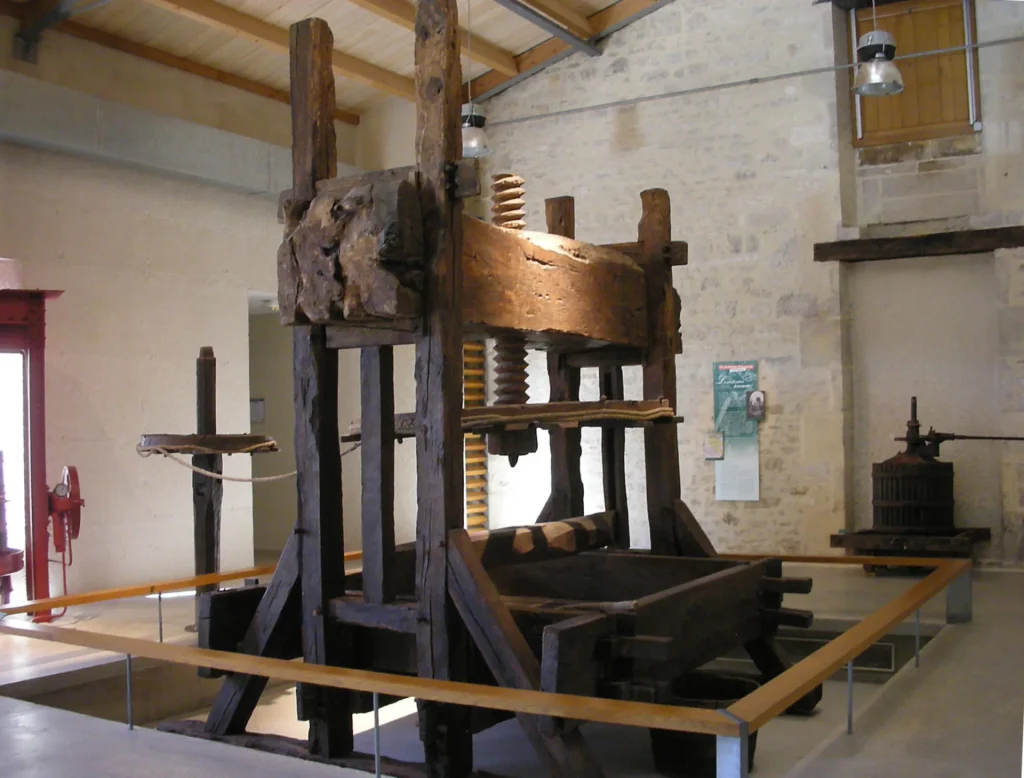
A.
x: 23, y: 330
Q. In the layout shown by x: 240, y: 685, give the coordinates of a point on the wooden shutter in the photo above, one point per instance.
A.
x: 935, y: 102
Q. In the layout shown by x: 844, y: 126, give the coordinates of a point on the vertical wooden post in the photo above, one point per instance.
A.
x: 317, y: 455
x: 661, y: 447
x: 441, y: 640
x: 566, y: 482
x: 207, y: 492
x: 613, y: 458
x: 377, y: 382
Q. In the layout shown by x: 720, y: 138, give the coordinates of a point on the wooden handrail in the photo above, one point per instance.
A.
x: 757, y: 708
x: 761, y: 706
x: 895, y: 561
x: 142, y: 590
x: 638, y: 714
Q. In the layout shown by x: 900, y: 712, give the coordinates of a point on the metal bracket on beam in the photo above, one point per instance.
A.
x: 522, y: 9
x: 33, y: 24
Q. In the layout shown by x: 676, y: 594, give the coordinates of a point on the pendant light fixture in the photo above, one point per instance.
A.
x: 474, y: 137
x: 877, y: 74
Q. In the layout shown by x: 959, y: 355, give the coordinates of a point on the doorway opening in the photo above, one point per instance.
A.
x: 13, y: 435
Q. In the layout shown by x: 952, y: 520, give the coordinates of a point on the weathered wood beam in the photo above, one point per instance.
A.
x: 564, y: 380
x: 536, y: 542
x: 675, y: 252
x: 355, y: 256
x: 377, y: 389
x: 613, y: 458
x: 207, y: 490
x: 610, y: 413
x: 268, y: 634
x: 508, y: 656
x: 936, y: 244
x: 160, y: 57
x: 604, y: 576
x: 395, y: 617
x: 691, y: 540
x: 604, y: 23
x: 535, y: 282
x: 321, y: 539
x: 442, y: 643
x: 404, y: 14
x: 661, y: 445
x: 251, y: 28
x: 709, y: 616
x: 569, y: 661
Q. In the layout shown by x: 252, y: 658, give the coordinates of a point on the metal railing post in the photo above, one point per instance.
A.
x: 128, y: 690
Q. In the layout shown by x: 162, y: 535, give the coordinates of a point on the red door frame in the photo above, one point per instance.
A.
x: 23, y: 328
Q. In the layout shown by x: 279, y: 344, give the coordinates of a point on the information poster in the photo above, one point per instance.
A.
x: 733, y: 380
x: 737, y: 474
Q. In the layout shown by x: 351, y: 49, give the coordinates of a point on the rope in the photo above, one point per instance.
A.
x: 167, y: 452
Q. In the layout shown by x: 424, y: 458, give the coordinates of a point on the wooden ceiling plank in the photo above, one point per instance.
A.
x: 575, y: 22
x: 111, y: 41
x: 604, y: 23
x: 251, y: 28
x: 404, y: 14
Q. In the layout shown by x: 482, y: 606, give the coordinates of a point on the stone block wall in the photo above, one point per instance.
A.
x: 974, y: 175
x: 1010, y: 320
x: 753, y: 172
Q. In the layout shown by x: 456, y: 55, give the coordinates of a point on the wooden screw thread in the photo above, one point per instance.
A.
x: 508, y: 203
x: 510, y: 377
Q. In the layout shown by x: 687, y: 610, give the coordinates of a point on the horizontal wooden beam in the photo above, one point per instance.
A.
x: 575, y: 22
x: 676, y: 253
x: 603, y: 23
x: 403, y: 13
x: 537, y: 542
x: 622, y: 413
x: 774, y: 697
x: 639, y: 714
x: 255, y: 30
x: 132, y: 48
x: 936, y: 244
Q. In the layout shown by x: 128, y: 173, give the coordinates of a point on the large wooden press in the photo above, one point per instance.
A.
x: 562, y: 604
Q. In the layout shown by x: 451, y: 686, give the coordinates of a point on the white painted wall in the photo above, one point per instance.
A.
x: 153, y: 268
x: 927, y: 327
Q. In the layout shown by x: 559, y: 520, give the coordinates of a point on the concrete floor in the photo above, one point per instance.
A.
x: 959, y: 715
x: 40, y: 742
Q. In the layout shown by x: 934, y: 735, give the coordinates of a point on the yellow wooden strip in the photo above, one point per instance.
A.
x: 476, y: 471
x: 767, y: 702
x: 142, y: 590
x: 476, y: 509
x: 472, y: 371
x: 641, y: 714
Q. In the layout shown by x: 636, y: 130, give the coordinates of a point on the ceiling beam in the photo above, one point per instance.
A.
x: 117, y: 43
x: 575, y: 22
x: 604, y: 23
x: 250, y: 28
x: 189, y: 66
x: 403, y: 13
x: 527, y: 11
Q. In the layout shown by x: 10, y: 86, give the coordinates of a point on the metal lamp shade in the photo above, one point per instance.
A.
x: 474, y: 142
x: 877, y: 78
x: 474, y: 137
